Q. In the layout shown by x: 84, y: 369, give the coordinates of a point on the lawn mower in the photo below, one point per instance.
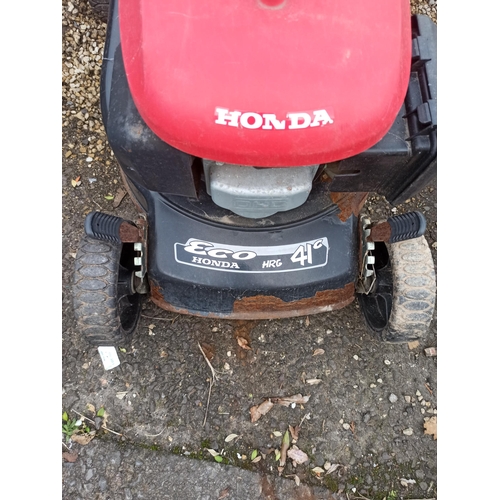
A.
x: 249, y: 134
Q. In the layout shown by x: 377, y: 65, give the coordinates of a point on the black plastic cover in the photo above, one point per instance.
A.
x: 404, y: 161
x: 143, y: 156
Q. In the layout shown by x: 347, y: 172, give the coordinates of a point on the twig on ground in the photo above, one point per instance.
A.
x: 214, y: 375
x: 212, y: 382
x: 155, y: 435
x: 361, y: 497
x: 303, y: 418
x: 64, y: 444
x: 158, y: 317
x: 102, y: 426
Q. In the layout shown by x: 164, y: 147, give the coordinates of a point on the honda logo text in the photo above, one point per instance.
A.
x: 269, y: 121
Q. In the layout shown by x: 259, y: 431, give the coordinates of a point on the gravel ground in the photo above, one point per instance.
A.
x: 367, y: 415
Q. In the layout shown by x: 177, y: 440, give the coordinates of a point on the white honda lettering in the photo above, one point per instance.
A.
x: 269, y: 121
x: 224, y: 115
x: 215, y: 263
x: 299, y: 120
x: 255, y: 119
x: 321, y: 116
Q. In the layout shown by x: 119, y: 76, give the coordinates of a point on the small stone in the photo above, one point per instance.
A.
x: 430, y: 351
x: 379, y: 380
x: 408, y: 399
x: 387, y: 362
x: 418, y: 393
x: 346, y: 426
x: 373, y: 386
x: 328, y: 332
x: 408, y: 432
x: 356, y: 357
x: 228, y: 354
x: 393, y: 398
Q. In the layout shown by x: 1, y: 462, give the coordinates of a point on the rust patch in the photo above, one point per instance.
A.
x: 129, y: 233
x: 380, y: 232
x: 274, y: 307
x: 349, y: 203
x: 268, y: 306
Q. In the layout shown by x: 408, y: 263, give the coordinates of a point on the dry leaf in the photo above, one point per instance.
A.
x: 257, y: 459
x: 313, y: 381
x: 294, y: 431
x: 431, y: 427
x: 332, y: 468
x: 120, y: 194
x: 297, y: 455
x: 212, y: 452
x: 406, y: 482
x: 224, y: 493
x: 105, y: 419
x: 285, y: 444
x: 121, y: 395
x: 257, y: 411
x: 70, y: 457
x: 288, y: 400
x: 413, y: 345
x: 83, y: 439
x: 295, y: 478
x: 318, y: 470
x: 277, y: 433
x: 76, y: 182
x: 307, y: 322
x: 231, y: 437
x: 91, y: 408
x: 317, y: 352
x: 243, y: 343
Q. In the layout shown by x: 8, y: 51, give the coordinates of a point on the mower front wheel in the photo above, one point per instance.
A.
x: 107, y: 307
x: 401, y: 305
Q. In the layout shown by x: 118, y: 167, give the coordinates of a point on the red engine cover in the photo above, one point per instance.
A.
x: 264, y: 83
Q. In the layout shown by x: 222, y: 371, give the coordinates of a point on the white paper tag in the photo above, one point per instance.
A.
x: 109, y: 357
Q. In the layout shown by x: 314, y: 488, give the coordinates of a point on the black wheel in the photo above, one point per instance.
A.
x: 100, y: 8
x: 107, y: 307
x: 401, y: 305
